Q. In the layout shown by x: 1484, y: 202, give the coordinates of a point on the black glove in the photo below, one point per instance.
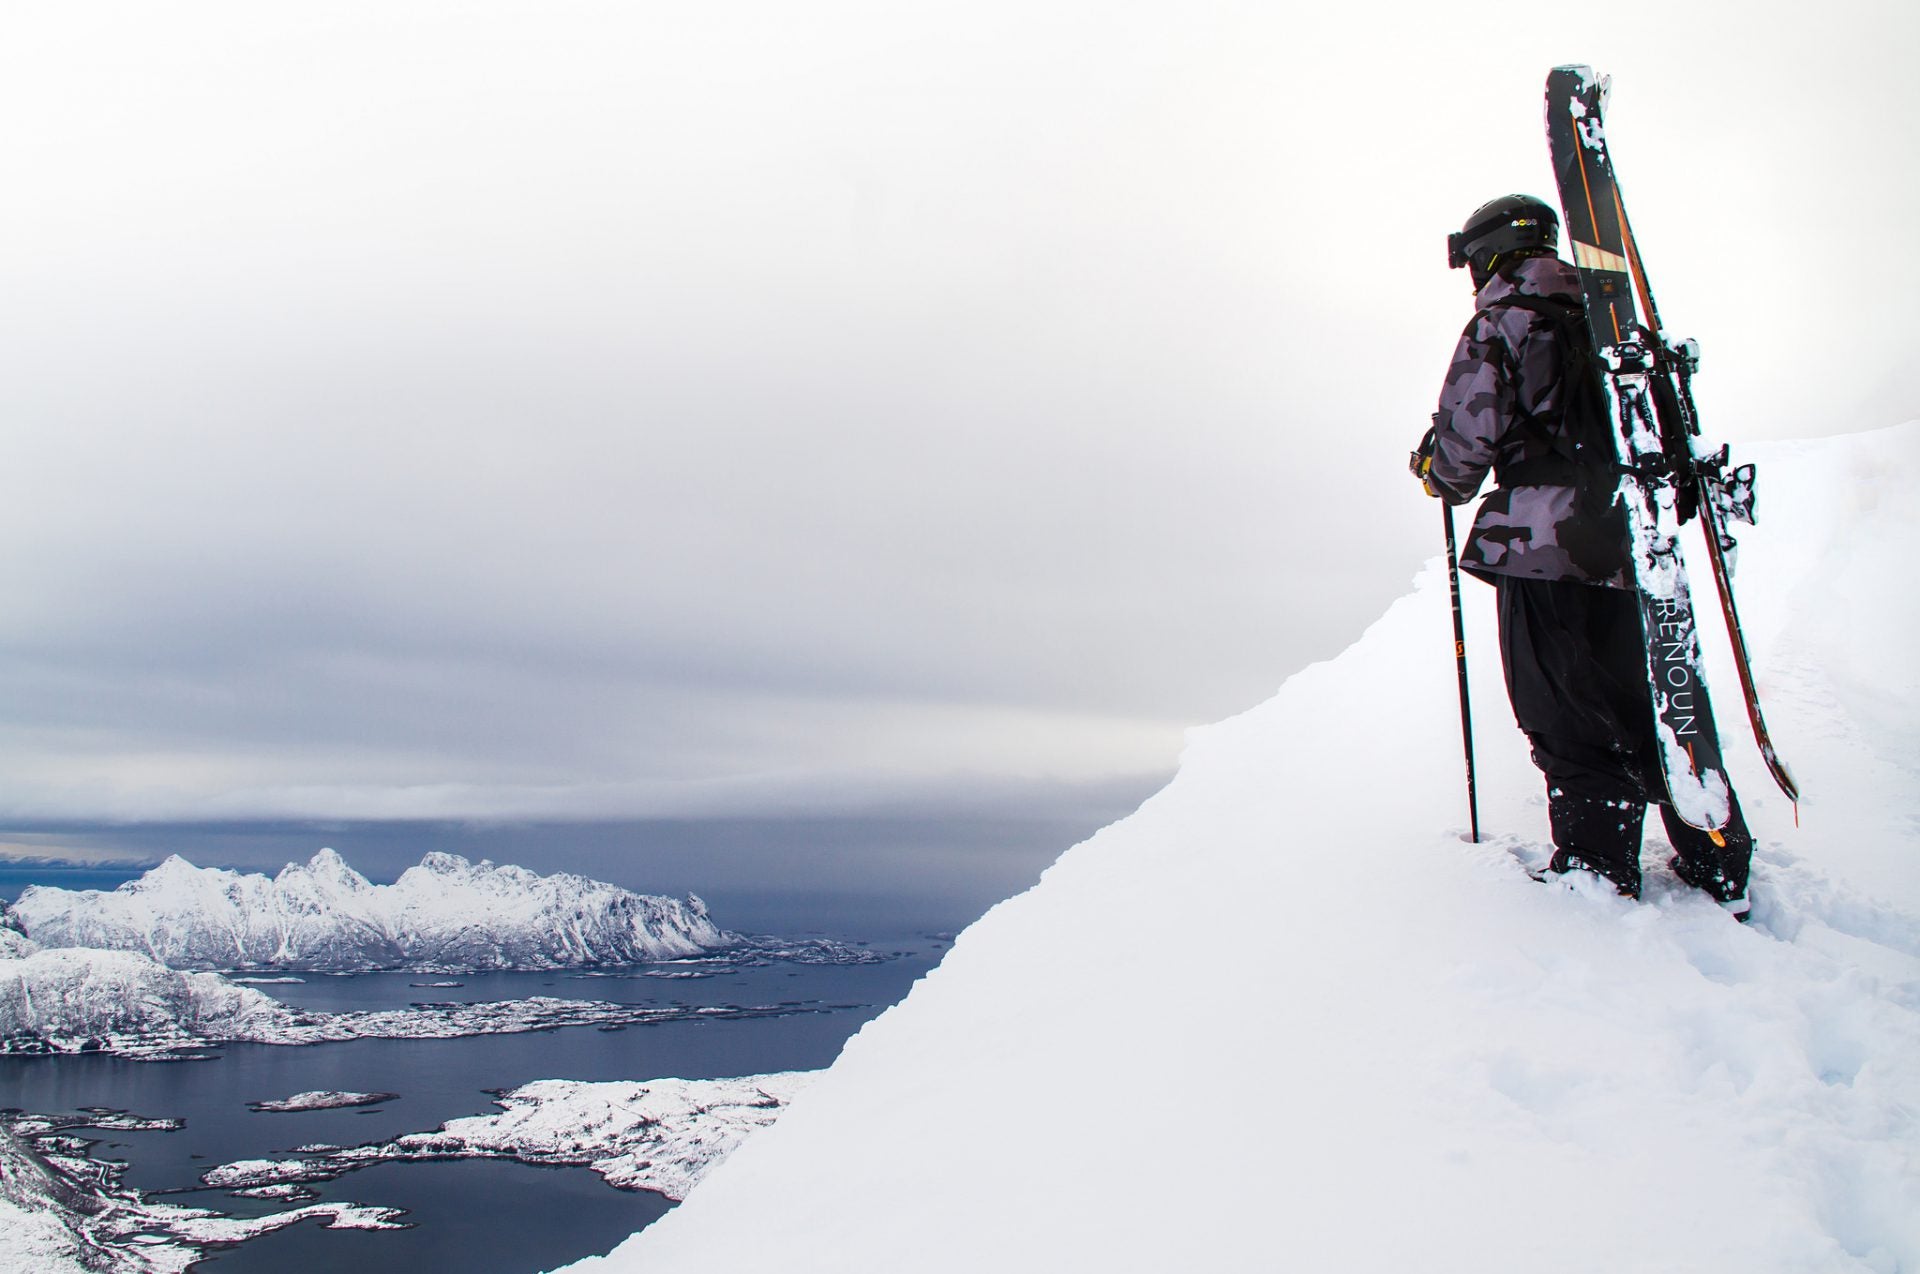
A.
x: 1420, y: 461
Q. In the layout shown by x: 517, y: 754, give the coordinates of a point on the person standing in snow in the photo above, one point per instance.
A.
x: 1570, y: 636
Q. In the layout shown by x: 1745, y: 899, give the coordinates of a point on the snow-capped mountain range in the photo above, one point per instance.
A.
x: 323, y: 916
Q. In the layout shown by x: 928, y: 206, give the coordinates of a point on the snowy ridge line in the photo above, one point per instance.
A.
x: 445, y: 915
x: 1430, y: 1061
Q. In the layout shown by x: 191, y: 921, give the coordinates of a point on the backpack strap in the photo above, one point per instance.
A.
x: 1558, y: 465
x: 1551, y: 306
x: 1567, y: 317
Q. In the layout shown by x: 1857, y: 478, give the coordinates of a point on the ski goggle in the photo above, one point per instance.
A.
x: 1457, y: 250
x: 1526, y: 229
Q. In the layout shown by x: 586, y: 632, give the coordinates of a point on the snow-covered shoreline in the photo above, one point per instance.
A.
x: 661, y: 1135
x: 63, y: 1210
x: 69, y: 1001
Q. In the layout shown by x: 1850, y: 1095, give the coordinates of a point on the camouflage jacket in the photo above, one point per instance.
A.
x: 1505, y: 372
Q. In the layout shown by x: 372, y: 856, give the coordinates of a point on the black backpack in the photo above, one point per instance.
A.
x: 1578, y: 433
x: 1578, y: 436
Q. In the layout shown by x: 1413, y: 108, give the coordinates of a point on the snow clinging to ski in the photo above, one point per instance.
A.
x: 1665, y: 477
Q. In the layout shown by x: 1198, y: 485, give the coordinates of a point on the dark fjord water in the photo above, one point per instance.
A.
x: 481, y: 1217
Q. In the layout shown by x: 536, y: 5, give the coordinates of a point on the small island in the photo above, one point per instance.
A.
x: 321, y: 1101
x: 660, y: 1135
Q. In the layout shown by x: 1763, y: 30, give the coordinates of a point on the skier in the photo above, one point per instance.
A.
x: 1519, y: 402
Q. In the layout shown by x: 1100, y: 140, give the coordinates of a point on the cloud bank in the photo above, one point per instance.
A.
x: 487, y: 410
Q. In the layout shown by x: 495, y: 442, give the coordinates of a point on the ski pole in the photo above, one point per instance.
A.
x: 1460, y: 659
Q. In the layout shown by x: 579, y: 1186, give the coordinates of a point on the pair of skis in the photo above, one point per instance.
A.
x: 1665, y: 472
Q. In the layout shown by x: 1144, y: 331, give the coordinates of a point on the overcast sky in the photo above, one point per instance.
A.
x: 484, y: 410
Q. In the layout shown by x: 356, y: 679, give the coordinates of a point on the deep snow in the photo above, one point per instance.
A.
x: 1285, y: 1017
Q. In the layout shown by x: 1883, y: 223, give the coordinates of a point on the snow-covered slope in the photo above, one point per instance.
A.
x: 43, y: 1219
x: 67, y: 1000
x: 1388, y: 1049
x: 13, y: 941
x: 446, y: 913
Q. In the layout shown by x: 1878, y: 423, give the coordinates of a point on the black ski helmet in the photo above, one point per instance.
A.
x: 1511, y: 223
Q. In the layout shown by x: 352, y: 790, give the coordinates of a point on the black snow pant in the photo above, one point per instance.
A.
x: 1577, y: 678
